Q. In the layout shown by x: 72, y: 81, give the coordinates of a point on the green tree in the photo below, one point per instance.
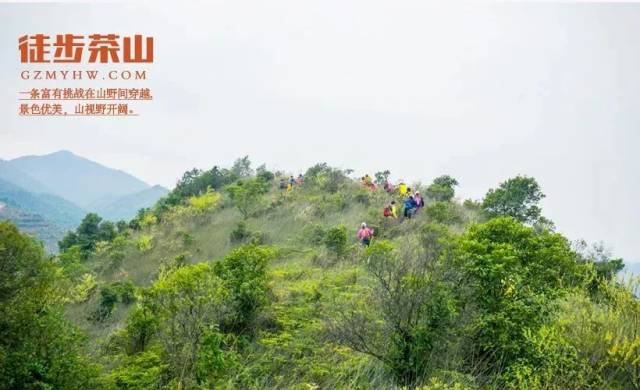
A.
x: 242, y: 167
x: 246, y: 195
x: 335, y: 239
x: 517, y: 197
x: 443, y: 212
x: 326, y: 178
x: 264, y: 174
x: 122, y: 226
x: 382, y: 176
x: 141, y: 371
x: 514, y: 273
x: 442, y: 189
x: 184, y: 304
x: 244, y: 274
x: 193, y: 183
x: 108, y: 301
x: 91, y: 230
x: 402, y: 320
x: 39, y: 349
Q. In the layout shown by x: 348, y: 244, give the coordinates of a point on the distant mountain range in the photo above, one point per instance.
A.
x: 126, y: 206
x: 50, y: 194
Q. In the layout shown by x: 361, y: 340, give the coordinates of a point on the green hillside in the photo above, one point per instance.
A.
x: 231, y: 281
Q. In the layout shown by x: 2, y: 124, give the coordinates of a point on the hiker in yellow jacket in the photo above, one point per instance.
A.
x: 391, y: 210
x: 402, y: 188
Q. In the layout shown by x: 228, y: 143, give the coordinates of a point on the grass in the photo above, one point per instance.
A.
x: 290, y: 352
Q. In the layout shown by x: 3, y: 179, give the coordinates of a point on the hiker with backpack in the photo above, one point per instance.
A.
x: 409, y: 206
x: 419, y: 201
x: 402, y: 188
x: 365, y: 234
x: 367, y: 181
x: 291, y: 183
x: 390, y: 210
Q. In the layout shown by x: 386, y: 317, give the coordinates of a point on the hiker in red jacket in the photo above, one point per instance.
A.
x: 365, y: 234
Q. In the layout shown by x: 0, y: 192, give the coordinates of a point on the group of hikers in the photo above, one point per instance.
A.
x: 289, y: 184
x: 412, y: 203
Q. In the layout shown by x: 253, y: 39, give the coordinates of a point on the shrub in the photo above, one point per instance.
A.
x: 259, y: 238
x: 125, y: 290
x: 71, y: 262
x: 205, y: 202
x: 140, y: 328
x: 108, y: 300
x: 247, y: 195
x: 240, y: 233
x: 442, y: 188
x: 335, y: 240
x: 325, y: 178
x: 88, y: 234
x: 180, y: 307
x: 187, y: 238
x: 326, y: 204
x: 313, y: 233
x: 243, y: 273
x: 265, y: 175
x: 147, y: 219
x: 515, y: 273
x: 443, y: 212
x: 83, y: 290
x: 404, y: 317
x: 144, y: 243
x: 363, y: 196
x: 142, y: 371
x: 39, y: 348
x: 382, y: 176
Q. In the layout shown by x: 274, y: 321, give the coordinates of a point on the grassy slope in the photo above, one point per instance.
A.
x: 291, y: 351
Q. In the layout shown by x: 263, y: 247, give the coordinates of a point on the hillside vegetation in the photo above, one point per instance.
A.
x: 231, y: 281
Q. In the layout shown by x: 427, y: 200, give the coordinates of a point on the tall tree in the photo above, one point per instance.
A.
x: 39, y: 349
x: 517, y: 197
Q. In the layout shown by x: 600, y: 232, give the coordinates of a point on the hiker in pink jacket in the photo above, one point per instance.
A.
x: 365, y: 234
x: 419, y: 201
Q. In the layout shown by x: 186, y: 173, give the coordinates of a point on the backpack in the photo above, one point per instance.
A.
x: 387, y: 211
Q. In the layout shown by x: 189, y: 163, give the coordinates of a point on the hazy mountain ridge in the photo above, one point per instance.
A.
x: 35, y: 225
x: 50, y: 194
x: 76, y: 178
x: 126, y: 206
x: 14, y: 175
x: 51, y: 207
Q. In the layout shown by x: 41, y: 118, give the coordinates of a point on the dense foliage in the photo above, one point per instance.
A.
x: 38, y: 347
x: 232, y: 281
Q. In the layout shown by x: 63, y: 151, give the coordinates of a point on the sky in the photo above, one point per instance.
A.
x: 479, y: 90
